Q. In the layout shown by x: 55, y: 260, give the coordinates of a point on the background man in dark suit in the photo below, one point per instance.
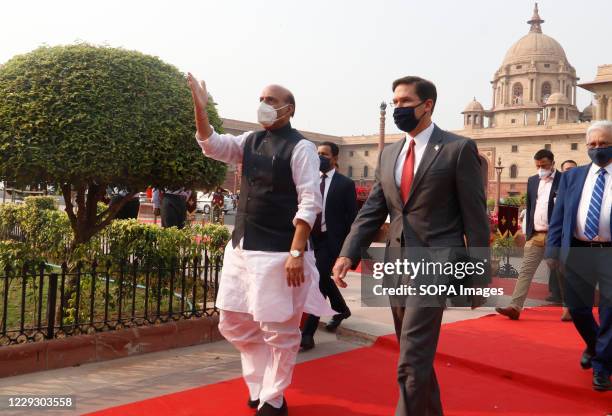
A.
x: 541, y: 194
x: 328, y: 234
x: 580, y: 240
x: 431, y: 186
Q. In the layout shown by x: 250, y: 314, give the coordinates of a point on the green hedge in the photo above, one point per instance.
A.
x: 37, y: 230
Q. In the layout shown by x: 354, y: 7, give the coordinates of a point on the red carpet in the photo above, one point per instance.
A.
x: 486, y: 366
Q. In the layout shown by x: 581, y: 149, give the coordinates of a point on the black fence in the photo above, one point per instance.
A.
x: 44, y: 301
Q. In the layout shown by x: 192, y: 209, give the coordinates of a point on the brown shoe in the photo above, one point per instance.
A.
x: 509, y: 311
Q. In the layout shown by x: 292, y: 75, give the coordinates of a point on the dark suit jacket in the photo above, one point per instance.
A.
x: 340, y: 211
x: 532, y: 195
x: 446, y: 206
x: 563, y: 221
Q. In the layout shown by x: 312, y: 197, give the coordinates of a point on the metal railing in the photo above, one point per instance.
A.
x: 42, y: 301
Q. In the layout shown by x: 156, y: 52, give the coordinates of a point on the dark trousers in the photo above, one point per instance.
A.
x: 173, y: 211
x: 584, y: 270
x: 129, y: 210
x: 325, y: 257
x: 417, y: 330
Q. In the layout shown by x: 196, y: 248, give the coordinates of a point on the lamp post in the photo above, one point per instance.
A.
x: 381, y: 131
x: 498, y: 169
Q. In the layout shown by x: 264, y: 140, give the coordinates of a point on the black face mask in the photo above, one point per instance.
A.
x: 325, y: 164
x: 601, y: 156
x: 405, y: 118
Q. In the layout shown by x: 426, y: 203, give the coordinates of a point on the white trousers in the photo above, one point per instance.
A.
x: 268, y: 352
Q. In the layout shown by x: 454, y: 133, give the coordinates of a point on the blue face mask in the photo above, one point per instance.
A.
x: 325, y: 164
x: 601, y: 156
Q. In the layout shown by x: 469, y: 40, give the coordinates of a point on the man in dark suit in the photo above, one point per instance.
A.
x: 580, y: 241
x: 430, y: 184
x: 328, y: 234
x: 541, y: 194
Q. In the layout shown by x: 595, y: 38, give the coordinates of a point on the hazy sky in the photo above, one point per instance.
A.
x: 339, y: 57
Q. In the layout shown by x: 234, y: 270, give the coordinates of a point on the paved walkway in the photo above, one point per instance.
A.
x: 101, y: 385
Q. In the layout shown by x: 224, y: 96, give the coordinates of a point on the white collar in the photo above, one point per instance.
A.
x: 595, y: 169
x: 423, y: 137
x: 329, y: 173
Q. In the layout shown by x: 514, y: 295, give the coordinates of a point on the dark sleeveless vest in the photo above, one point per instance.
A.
x: 268, y: 198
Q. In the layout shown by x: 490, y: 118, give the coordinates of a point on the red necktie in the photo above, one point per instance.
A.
x: 407, y: 172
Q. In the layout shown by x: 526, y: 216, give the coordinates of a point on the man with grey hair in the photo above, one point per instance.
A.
x: 580, y: 241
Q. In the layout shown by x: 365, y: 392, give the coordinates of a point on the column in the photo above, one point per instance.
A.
x: 599, y: 110
x: 574, y: 100
x: 609, y: 116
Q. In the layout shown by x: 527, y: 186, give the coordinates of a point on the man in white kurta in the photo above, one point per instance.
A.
x: 269, y: 277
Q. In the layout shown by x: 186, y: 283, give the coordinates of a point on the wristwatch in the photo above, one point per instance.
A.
x: 295, y: 253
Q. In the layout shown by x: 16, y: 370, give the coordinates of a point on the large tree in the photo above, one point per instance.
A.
x: 85, y: 117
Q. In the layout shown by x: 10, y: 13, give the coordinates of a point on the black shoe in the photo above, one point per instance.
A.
x: 601, y: 382
x: 267, y: 410
x: 336, y: 321
x: 307, y: 343
x: 253, y: 404
x: 585, y: 360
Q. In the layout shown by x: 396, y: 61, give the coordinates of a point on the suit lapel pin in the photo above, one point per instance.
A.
x: 436, y: 147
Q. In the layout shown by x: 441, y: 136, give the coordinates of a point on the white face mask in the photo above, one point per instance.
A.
x: 267, y: 115
x: 544, y: 173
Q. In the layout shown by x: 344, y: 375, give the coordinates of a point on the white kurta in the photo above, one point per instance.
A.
x: 253, y: 281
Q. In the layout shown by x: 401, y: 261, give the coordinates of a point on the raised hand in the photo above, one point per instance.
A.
x: 200, y: 100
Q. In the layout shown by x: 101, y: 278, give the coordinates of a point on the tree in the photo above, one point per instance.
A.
x: 86, y: 117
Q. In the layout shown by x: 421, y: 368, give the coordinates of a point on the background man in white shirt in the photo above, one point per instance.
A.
x: 541, y: 193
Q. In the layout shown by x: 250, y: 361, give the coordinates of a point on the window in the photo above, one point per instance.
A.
x: 519, y: 66
x: 513, y: 171
x: 546, y: 65
x: 547, y: 146
x: 350, y: 171
x: 469, y: 119
x: 574, y: 146
x: 365, y: 171
x: 546, y: 90
x: 351, y: 153
x: 513, y: 121
x: 517, y: 93
x: 515, y: 148
x: 366, y: 153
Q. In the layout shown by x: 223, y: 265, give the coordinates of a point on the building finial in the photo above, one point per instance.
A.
x: 536, y: 21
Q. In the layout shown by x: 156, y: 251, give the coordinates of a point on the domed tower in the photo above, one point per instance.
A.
x: 534, y: 68
x: 587, y: 113
x: 557, y: 110
x: 473, y: 115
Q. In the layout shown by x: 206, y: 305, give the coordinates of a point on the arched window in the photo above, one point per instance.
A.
x: 350, y: 172
x: 517, y: 93
x: 469, y: 119
x: 546, y: 90
x: 514, y: 171
x: 365, y: 171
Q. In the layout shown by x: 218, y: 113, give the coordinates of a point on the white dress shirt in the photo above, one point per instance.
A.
x: 540, y: 214
x: 585, y: 202
x: 420, y: 143
x: 328, y: 180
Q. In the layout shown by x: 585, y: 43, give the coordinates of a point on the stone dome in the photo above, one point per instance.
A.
x: 535, y: 46
x: 557, y: 99
x: 473, y: 106
x: 588, y: 111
